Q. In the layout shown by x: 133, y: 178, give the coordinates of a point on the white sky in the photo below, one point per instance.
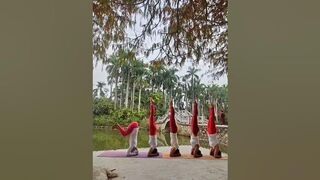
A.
x: 100, y: 74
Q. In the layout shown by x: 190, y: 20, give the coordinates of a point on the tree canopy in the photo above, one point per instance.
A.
x: 188, y: 29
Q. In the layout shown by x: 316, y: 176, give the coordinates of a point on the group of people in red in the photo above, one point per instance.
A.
x: 133, y: 128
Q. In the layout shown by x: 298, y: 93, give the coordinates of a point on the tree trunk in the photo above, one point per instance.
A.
x: 164, y: 98
x: 192, y: 88
x: 187, y: 103
x: 216, y: 109
x: 111, y: 87
x: 127, y: 91
x: 121, y: 93
x: 202, y: 108
x: 152, y: 81
x: 132, y: 97
x: 116, y: 94
x: 139, y: 99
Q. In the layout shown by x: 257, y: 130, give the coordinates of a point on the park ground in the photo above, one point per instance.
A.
x: 162, y: 169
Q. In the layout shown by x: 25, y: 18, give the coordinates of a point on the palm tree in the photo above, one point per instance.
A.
x: 110, y: 81
x: 113, y: 70
x: 177, y: 93
x: 169, y: 80
x: 184, y: 88
x: 121, y: 90
x: 137, y: 73
x: 156, y: 68
x: 199, y: 89
x: 99, y: 90
x: 141, y: 83
x: 192, y: 75
x: 127, y: 57
x: 148, y: 76
x: 122, y: 67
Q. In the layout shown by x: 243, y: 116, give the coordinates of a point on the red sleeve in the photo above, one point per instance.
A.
x: 129, y: 129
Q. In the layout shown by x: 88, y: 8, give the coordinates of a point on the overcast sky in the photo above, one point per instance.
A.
x: 100, y: 74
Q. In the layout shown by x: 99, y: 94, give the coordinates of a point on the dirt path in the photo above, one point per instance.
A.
x: 164, y: 169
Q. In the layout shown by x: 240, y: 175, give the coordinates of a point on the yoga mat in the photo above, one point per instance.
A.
x: 123, y: 154
x: 190, y: 157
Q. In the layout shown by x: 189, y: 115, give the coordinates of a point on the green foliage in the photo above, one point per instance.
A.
x: 158, y: 100
x: 102, y: 121
x: 157, y: 97
x: 105, y: 116
x: 102, y: 106
x: 125, y: 116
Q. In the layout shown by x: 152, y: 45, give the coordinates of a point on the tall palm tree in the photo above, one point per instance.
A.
x: 184, y: 88
x: 199, y: 89
x: 113, y: 70
x: 110, y: 81
x: 127, y: 57
x: 148, y: 75
x: 121, y: 90
x: 142, y: 83
x: 99, y: 90
x: 169, y: 80
x: 192, y: 75
x: 123, y: 74
x: 156, y: 68
x: 137, y: 73
x: 177, y: 94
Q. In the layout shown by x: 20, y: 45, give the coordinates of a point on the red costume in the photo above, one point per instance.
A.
x: 194, y: 140
x: 222, y: 116
x: 152, y: 132
x: 129, y: 129
x: 212, y: 134
x: 173, y: 133
x: 152, y: 122
x: 194, y: 121
x: 132, y: 130
x: 173, y: 125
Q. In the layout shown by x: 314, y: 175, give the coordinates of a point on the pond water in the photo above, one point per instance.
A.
x: 108, y: 139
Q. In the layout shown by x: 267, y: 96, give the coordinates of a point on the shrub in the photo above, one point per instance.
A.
x: 102, y: 106
x: 105, y: 115
x: 125, y: 116
x: 100, y: 121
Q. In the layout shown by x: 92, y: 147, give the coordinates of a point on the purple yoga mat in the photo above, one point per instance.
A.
x: 123, y: 154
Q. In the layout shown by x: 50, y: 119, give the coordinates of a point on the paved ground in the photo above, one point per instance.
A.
x: 164, y: 169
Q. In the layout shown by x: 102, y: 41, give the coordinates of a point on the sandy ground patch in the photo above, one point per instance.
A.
x: 163, y: 169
